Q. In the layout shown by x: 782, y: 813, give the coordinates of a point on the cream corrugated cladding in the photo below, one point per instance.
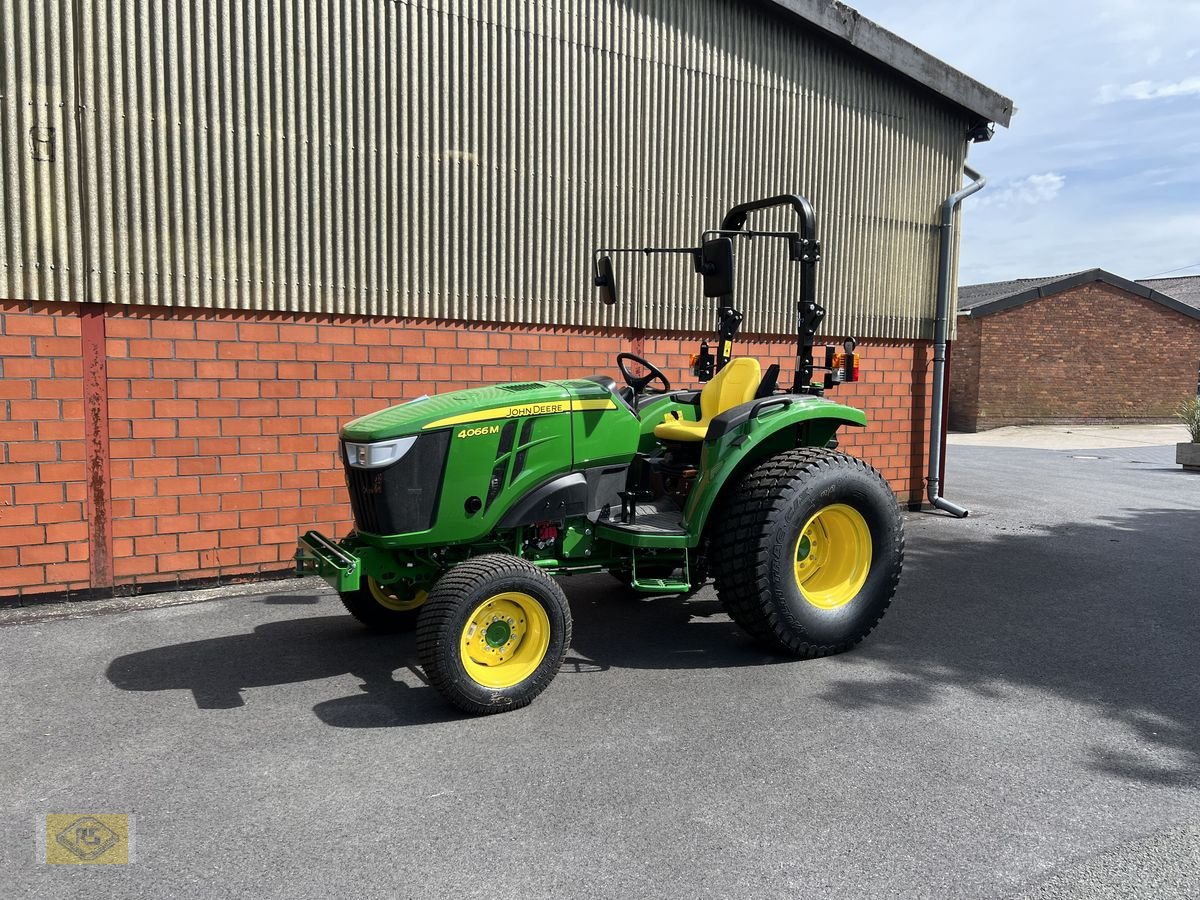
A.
x: 457, y: 159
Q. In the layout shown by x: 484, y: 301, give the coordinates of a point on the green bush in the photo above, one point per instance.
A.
x: 1189, y: 414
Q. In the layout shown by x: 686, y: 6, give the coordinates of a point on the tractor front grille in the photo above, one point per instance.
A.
x: 403, y: 497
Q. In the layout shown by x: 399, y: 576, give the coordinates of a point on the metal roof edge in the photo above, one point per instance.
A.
x: 1171, y: 303
x: 1012, y: 301
x: 848, y: 24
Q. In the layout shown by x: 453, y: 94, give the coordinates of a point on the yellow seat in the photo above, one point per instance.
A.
x: 733, y: 385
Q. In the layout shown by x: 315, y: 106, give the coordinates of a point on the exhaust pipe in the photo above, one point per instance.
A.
x: 940, y: 329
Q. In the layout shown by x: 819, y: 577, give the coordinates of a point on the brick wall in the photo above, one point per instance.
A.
x: 43, y: 496
x: 1094, y: 353
x: 221, y: 427
x: 962, y: 389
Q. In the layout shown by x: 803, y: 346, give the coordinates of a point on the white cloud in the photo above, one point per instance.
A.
x: 1032, y: 190
x: 1108, y: 190
x: 1149, y: 90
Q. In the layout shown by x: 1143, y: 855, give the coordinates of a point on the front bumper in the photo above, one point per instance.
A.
x: 317, y: 555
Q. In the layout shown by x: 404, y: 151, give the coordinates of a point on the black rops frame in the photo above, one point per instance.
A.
x: 804, y: 248
x: 714, y: 260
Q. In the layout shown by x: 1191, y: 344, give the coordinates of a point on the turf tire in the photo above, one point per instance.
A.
x: 753, y: 550
x: 363, y: 605
x: 447, y: 612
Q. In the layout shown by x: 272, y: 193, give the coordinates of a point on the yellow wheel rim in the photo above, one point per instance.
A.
x: 833, y: 556
x: 505, y: 639
x: 387, y: 597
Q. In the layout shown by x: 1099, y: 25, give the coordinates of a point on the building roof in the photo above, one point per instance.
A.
x: 848, y: 25
x: 976, y: 300
x: 1185, y: 289
x: 973, y: 296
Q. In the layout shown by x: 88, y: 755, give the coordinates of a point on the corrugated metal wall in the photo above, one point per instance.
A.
x: 456, y: 159
x: 41, y: 219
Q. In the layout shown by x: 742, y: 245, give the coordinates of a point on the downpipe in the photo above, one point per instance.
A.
x: 940, y: 330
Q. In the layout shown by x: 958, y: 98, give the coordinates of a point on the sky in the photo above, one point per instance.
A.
x: 1100, y: 167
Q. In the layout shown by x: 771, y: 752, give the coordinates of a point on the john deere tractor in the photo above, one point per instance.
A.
x: 468, y: 504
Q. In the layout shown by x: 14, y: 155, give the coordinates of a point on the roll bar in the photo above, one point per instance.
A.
x: 714, y: 260
x: 806, y: 250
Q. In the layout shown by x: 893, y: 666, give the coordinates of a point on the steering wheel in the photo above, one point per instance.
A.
x: 640, y: 384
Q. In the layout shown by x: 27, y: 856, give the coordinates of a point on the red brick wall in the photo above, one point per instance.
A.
x: 43, y: 497
x: 222, y: 425
x: 963, y: 387
x: 1094, y: 353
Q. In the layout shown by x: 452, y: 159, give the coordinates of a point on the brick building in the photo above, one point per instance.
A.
x: 1086, y: 347
x: 227, y: 234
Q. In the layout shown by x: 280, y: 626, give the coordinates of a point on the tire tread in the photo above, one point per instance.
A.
x: 436, y: 635
x: 740, y: 557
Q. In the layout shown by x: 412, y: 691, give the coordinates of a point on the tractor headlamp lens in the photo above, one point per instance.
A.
x: 377, y: 454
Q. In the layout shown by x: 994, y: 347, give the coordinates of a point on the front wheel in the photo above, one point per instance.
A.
x: 808, y: 552
x: 493, y: 633
x: 385, y: 608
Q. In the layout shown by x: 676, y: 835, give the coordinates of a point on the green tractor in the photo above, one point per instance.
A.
x: 467, y: 504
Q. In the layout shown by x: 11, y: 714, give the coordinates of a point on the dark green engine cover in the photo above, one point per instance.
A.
x: 499, y: 443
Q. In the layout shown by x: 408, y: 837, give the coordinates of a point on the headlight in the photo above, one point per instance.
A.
x: 377, y: 454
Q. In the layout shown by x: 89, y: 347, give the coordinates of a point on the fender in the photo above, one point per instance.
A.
x: 741, y: 437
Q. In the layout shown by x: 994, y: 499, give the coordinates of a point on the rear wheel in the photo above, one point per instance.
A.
x: 493, y: 633
x: 809, y: 551
x: 385, y: 608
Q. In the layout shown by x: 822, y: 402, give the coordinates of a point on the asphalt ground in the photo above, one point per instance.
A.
x: 1025, y: 722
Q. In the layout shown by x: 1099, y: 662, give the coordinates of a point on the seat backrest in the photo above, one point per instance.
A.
x: 770, y: 381
x: 733, y: 385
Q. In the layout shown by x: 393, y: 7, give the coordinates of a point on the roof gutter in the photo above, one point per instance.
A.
x: 949, y: 205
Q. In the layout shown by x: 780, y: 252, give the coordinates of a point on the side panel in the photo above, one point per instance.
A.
x: 605, y: 430
x: 807, y: 422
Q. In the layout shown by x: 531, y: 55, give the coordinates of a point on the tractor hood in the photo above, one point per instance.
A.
x: 448, y: 469
x: 463, y: 408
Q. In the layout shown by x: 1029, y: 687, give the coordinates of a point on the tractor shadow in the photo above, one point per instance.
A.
x: 218, y: 671
x: 1103, y: 613
x: 613, y: 628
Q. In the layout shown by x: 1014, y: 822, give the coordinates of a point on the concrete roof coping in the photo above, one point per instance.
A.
x: 975, y: 300
x: 846, y: 24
